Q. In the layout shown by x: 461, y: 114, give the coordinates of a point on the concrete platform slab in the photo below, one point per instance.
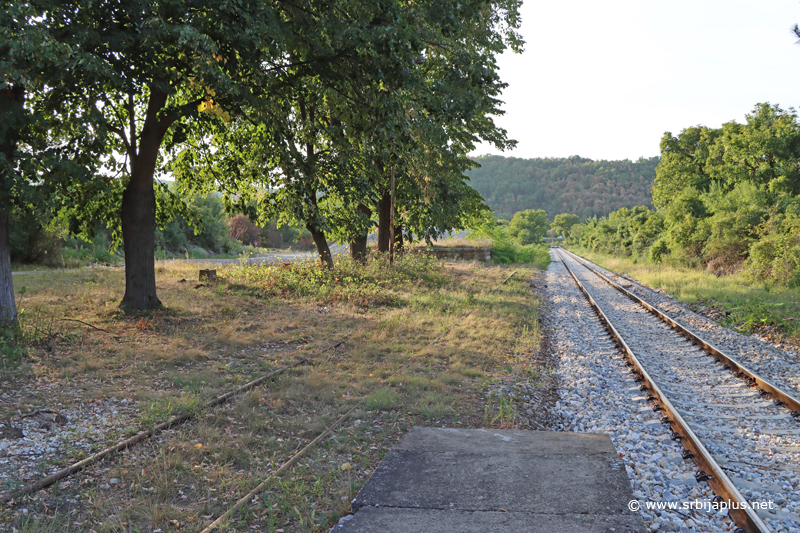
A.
x: 441, y: 480
x: 391, y: 520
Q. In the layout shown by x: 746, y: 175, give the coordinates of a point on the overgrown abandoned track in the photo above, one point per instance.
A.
x: 747, y: 446
x: 191, y: 475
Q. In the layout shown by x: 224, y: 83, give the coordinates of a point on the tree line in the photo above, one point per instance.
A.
x: 575, y: 184
x: 299, y: 112
x: 726, y: 199
x: 42, y: 237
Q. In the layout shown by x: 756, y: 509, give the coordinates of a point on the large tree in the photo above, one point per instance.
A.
x: 36, y: 166
x: 562, y: 223
x: 528, y: 227
x: 684, y: 163
x: 440, y: 113
x: 150, y: 72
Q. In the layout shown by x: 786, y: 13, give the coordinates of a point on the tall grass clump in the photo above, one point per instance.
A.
x: 12, y: 347
x: 367, y: 284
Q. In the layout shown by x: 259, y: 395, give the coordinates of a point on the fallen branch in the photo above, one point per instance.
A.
x: 85, y: 324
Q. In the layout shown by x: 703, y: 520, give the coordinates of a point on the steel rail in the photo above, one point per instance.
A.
x: 738, y: 506
x: 738, y: 368
x: 288, y: 464
x: 146, y: 434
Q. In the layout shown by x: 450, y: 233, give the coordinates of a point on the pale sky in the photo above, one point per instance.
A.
x: 605, y: 80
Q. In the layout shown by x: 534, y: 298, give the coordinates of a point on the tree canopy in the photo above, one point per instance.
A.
x: 727, y: 199
x: 528, y: 227
x: 303, y: 108
x: 562, y: 223
x: 321, y: 151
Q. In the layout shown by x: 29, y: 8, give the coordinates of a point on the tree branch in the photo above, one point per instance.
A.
x: 132, y: 119
x: 119, y: 131
x: 176, y: 113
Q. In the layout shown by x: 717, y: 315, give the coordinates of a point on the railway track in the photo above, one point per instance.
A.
x: 736, y: 425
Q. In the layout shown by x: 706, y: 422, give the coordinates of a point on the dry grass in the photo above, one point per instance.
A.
x: 750, y: 307
x: 458, y: 242
x: 443, y: 351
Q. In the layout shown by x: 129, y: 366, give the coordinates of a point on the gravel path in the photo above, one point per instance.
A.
x: 599, y: 395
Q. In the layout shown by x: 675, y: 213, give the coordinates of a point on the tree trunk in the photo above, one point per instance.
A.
x: 358, y: 249
x: 138, y: 211
x: 13, y: 102
x: 384, y: 217
x: 8, y: 307
x: 138, y: 234
x: 398, y: 239
x: 321, y: 244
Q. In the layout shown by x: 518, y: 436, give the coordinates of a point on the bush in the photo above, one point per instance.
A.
x: 351, y: 282
x: 12, y: 348
x: 506, y: 251
x: 528, y: 227
x: 35, y: 238
x: 775, y: 256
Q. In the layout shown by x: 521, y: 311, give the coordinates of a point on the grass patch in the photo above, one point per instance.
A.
x: 426, y: 342
x: 461, y: 242
x: 745, y: 306
x: 383, y: 398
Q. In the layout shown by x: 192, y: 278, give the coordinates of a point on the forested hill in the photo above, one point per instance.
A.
x: 563, y: 185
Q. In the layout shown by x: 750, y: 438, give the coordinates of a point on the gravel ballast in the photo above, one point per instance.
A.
x: 599, y: 395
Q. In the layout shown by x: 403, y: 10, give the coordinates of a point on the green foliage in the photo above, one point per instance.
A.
x: 506, y: 251
x: 528, y: 227
x: 205, y: 234
x: 35, y: 237
x: 562, y: 185
x: 78, y: 251
x: 350, y: 282
x: 727, y: 201
x: 562, y: 224
x: 12, y: 347
x: 682, y: 163
x: 208, y: 235
x: 621, y: 232
x: 775, y: 256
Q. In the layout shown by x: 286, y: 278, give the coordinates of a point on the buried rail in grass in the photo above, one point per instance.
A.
x: 144, y: 435
x: 288, y: 464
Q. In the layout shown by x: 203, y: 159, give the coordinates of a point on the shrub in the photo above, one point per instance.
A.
x: 506, y: 251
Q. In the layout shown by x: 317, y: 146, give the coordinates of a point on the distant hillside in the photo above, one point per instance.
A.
x: 566, y: 185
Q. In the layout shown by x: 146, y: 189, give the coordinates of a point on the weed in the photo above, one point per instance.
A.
x: 12, y: 349
x: 506, y: 416
x: 432, y: 406
x: 383, y: 398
